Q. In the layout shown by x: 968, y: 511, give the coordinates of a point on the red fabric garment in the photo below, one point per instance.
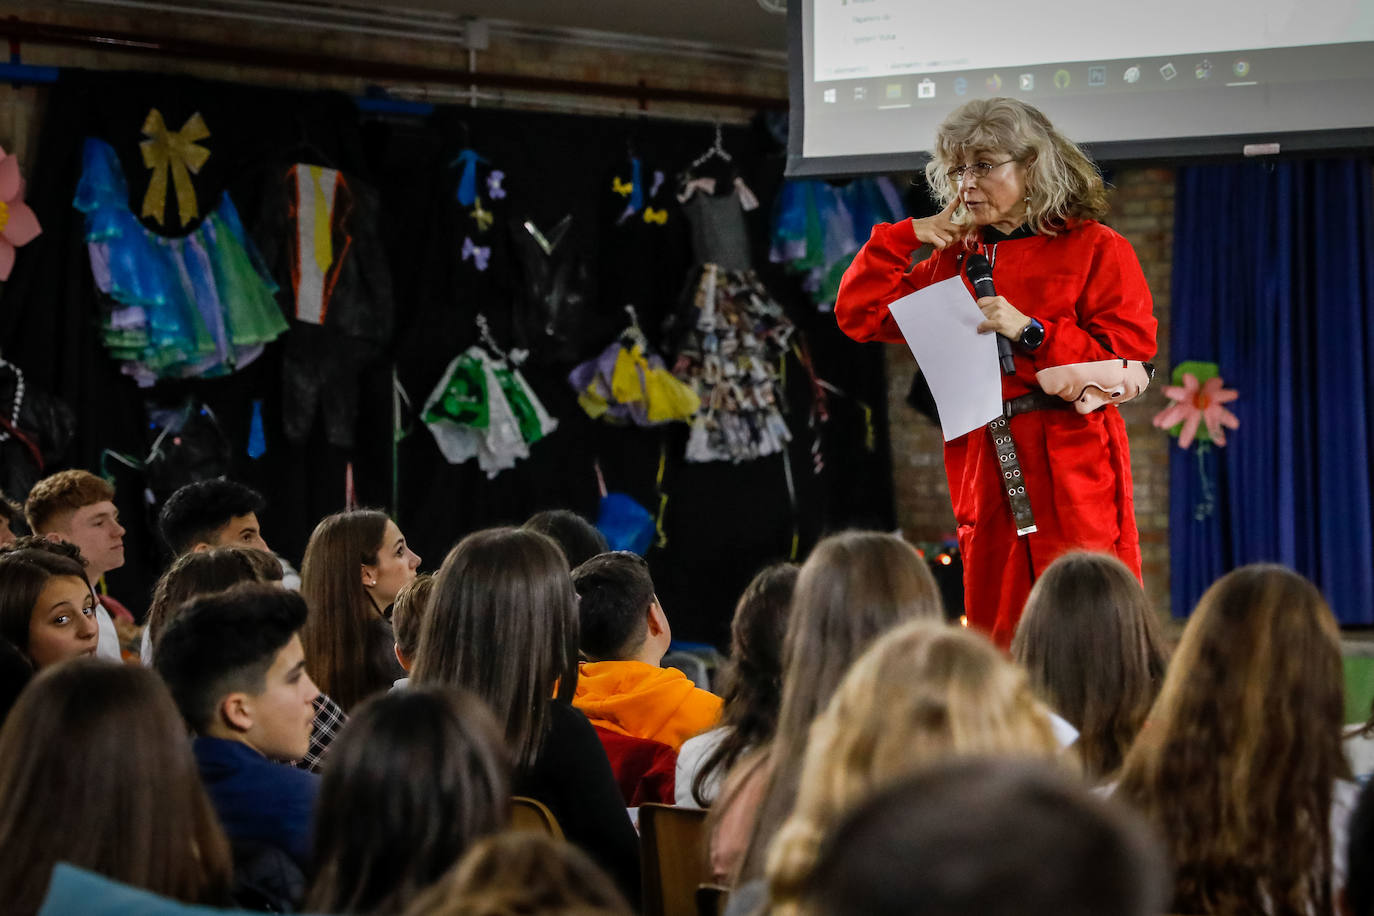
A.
x: 1086, y: 286
x: 645, y: 771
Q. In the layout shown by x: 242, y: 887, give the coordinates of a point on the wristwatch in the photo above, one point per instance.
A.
x: 1032, y: 335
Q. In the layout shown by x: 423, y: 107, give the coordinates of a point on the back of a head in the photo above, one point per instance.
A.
x: 525, y: 873
x: 992, y: 838
x: 502, y: 623
x: 196, y: 511
x: 223, y: 643
x: 923, y: 693
x: 12, y: 515
x: 413, y: 780
x: 1245, y: 744
x: 408, y: 614
x: 751, y: 682
x: 96, y: 770
x: 336, y: 638
x: 613, y: 592
x: 55, y: 497
x: 578, y: 538
x: 1092, y: 648
x: 854, y: 587
x: 203, y: 573
x: 26, y: 566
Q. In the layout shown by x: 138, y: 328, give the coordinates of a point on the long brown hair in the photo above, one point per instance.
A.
x: 924, y: 692
x: 1092, y: 648
x: 854, y: 587
x: 502, y: 622
x: 1236, y: 762
x: 202, y: 573
x: 415, y: 778
x: 522, y: 872
x: 96, y: 770
x: 752, y: 682
x: 342, y: 627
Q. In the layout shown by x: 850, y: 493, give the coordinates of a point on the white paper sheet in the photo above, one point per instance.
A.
x: 940, y: 324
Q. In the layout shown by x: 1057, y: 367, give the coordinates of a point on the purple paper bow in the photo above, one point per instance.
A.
x: 494, y: 189
x: 480, y: 254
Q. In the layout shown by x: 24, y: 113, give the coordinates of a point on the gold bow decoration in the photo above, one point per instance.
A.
x: 481, y: 217
x: 623, y: 188
x: 656, y: 216
x: 175, y: 152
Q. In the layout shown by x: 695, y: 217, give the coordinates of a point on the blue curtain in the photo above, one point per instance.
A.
x: 1274, y: 281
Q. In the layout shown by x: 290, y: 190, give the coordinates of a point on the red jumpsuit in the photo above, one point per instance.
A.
x: 1085, y: 285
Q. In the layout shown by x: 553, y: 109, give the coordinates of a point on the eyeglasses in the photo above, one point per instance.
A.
x: 979, y: 170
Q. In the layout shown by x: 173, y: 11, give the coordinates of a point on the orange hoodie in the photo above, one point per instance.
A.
x: 640, y: 700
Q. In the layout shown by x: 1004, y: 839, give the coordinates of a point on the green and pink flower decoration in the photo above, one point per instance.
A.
x: 1197, y: 402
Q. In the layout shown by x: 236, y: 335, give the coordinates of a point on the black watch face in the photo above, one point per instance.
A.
x: 1033, y: 335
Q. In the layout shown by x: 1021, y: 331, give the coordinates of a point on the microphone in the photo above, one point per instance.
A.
x: 979, y: 273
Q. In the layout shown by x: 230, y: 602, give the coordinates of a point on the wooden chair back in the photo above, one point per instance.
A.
x: 672, y: 843
x: 531, y: 814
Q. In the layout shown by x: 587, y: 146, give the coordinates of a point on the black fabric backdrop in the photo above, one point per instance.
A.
x: 722, y: 521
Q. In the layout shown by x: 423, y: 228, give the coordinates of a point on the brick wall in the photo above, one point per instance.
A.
x: 1143, y: 211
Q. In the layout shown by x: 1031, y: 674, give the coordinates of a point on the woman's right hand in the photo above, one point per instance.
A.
x: 939, y: 230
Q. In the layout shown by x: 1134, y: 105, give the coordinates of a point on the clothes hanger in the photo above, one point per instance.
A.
x: 303, y: 149
x: 717, y: 151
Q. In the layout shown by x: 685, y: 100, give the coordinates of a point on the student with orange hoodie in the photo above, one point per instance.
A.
x: 624, y: 634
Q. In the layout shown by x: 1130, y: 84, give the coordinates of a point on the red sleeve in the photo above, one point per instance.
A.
x: 1115, y: 314
x: 878, y: 277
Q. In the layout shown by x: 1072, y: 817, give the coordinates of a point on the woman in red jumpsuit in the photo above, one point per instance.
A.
x: 1069, y: 291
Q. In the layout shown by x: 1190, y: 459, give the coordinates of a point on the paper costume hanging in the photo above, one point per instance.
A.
x: 18, y: 225
x: 322, y: 238
x: 483, y: 408
x: 818, y: 228
x: 199, y: 305
x: 627, y: 383
x: 733, y: 337
x: 553, y: 313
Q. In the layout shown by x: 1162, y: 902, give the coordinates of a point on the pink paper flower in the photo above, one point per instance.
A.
x: 18, y: 225
x: 1194, y: 404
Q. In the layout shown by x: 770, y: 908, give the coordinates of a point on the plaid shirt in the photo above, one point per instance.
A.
x: 329, y: 718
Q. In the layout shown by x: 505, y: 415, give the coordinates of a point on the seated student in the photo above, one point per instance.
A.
x: 624, y: 635
x: 234, y: 665
x: 578, y: 538
x: 407, y: 616
x: 47, y: 609
x: 752, y: 688
x: 992, y: 838
x: 502, y: 623
x: 526, y: 873
x: 95, y: 770
x: 204, y: 572
x: 923, y: 693
x: 416, y: 778
x: 218, y: 513
x: 1092, y: 648
x: 212, y: 513
x: 1240, y: 765
x: 355, y: 564
x: 78, y: 507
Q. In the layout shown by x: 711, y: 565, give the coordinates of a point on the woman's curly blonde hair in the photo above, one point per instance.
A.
x: 923, y: 693
x: 1062, y: 182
